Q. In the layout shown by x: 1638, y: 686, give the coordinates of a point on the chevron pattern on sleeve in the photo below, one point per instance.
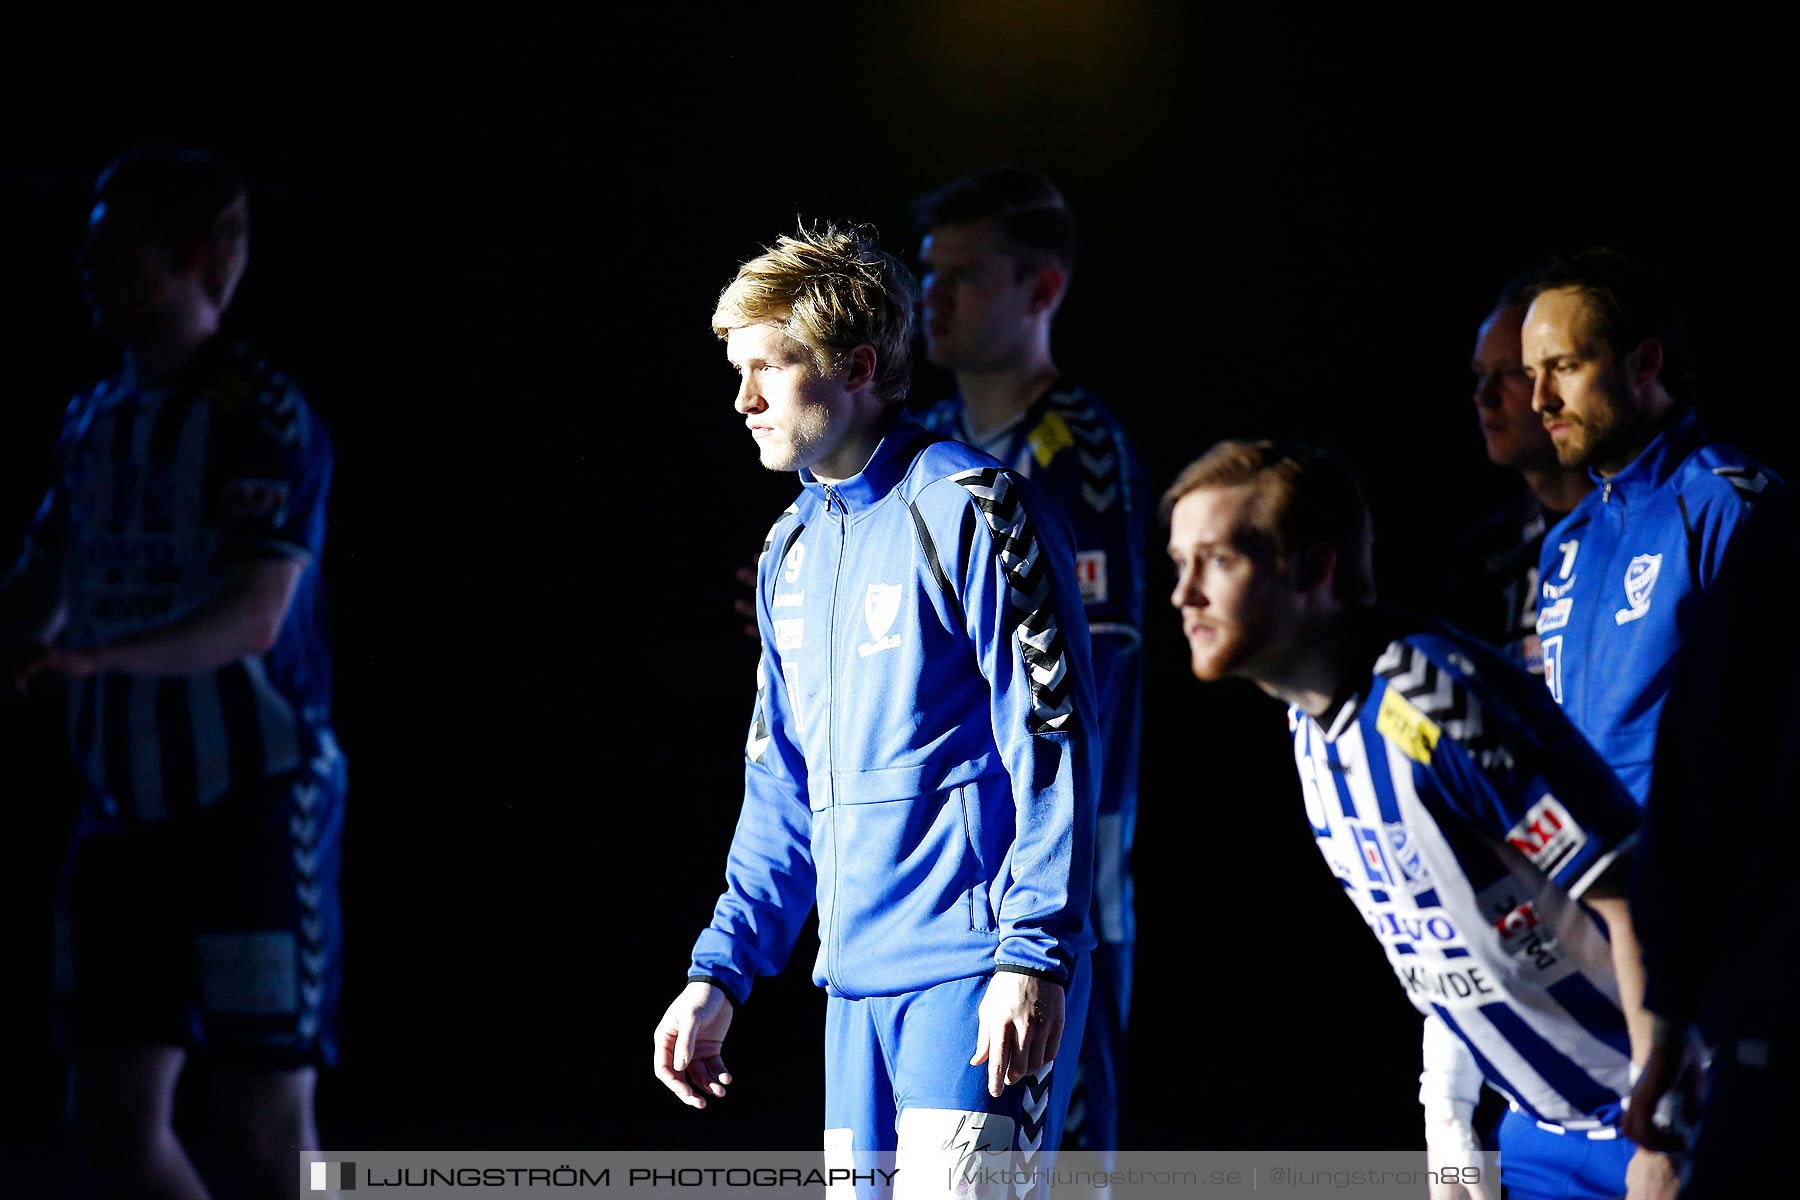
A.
x: 1451, y: 706
x: 1029, y: 594
x: 758, y: 744
x: 769, y: 538
x: 1749, y: 481
x: 1094, y: 449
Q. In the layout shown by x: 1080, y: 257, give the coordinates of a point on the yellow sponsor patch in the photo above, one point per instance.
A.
x: 230, y: 393
x: 1050, y: 436
x: 1405, y: 726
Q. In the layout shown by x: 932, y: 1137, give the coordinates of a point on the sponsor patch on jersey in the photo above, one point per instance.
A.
x: 1404, y: 850
x: 1640, y: 581
x: 1554, y: 616
x: 1565, y: 576
x: 880, y: 606
x: 1050, y: 436
x: 789, y: 599
x: 255, y: 497
x: 1524, y: 936
x: 1552, y: 651
x: 1531, y: 654
x: 1548, y: 836
x: 788, y: 633
x: 790, y: 674
x: 230, y: 394
x: 1090, y: 572
x: 1453, y: 983
x: 1411, y: 730
x: 1416, y: 928
x: 1368, y: 844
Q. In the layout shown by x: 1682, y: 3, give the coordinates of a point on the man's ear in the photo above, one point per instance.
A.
x: 1645, y: 363
x: 859, y: 369
x: 218, y: 260
x: 1048, y: 283
x: 1314, y: 568
x: 221, y: 254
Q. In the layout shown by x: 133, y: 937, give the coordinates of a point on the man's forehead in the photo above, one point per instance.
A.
x: 1209, y: 514
x: 765, y: 339
x: 1562, y: 316
x: 1498, y: 335
x: 113, y: 220
x: 967, y: 239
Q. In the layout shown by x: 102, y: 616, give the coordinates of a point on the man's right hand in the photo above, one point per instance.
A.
x: 19, y: 664
x: 688, y: 1041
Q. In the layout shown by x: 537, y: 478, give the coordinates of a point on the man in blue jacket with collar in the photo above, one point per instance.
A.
x: 1621, y: 577
x: 922, y: 760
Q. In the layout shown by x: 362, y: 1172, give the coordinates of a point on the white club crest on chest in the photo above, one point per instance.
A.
x: 1640, y: 581
x: 881, y: 605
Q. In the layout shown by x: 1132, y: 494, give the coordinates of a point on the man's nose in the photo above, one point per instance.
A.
x: 1187, y: 590
x: 748, y: 400
x: 936, y: 293
x: 1487, y: 391
x: 1543, y: 395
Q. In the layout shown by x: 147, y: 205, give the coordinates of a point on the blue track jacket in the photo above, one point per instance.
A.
x: 1075, y: 451
x: 1621, y: 580
x: 922, y: 757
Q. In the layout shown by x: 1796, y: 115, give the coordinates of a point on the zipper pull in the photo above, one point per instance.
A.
x: 831, y: 499
x: 1606, y: 492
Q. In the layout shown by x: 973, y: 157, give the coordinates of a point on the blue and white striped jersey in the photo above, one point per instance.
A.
x: 157, y: 491
x: 1072, y: 447
x: 1464, y: 815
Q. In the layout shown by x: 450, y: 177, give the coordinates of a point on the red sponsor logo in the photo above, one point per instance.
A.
x: 1547, y: 835
x: 1518, y: 920
x: 1540, y: 832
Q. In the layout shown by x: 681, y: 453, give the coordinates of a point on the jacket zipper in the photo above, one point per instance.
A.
x: 834, y: 507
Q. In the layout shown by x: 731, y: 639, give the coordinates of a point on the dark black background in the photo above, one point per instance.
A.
x: 491, y: 269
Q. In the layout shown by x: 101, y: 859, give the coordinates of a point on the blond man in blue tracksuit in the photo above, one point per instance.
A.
x: 922, y: 761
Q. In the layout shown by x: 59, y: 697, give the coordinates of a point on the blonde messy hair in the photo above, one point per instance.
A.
x: 1302, y: 496
x: 831, y: 290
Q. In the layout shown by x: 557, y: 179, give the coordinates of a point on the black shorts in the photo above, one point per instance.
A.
x: 217, y: 930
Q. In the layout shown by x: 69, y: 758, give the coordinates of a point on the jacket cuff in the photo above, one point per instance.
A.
x: 1057, y: 977
x: 723, y: 987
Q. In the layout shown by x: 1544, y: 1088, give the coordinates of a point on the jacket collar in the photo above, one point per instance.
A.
x: 887, y: 466
x: 1680, y: 436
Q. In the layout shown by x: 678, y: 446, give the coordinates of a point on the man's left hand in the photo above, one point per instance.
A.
x: 1021, y: 1027
x: 1651, y: 1176
x: 19, y: 666
x: 76, y: 664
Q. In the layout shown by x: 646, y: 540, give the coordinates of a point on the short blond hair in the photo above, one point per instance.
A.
x: 1303, y: 496
x: 831, y: 290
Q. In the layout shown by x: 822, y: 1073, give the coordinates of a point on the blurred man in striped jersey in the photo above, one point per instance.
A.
x: 1478, y: 834
x: 171, y: 582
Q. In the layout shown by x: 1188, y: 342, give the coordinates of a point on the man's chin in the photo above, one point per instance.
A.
x: 1210, y: 668
x: 776, y: 458
x: 1574, y: 453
